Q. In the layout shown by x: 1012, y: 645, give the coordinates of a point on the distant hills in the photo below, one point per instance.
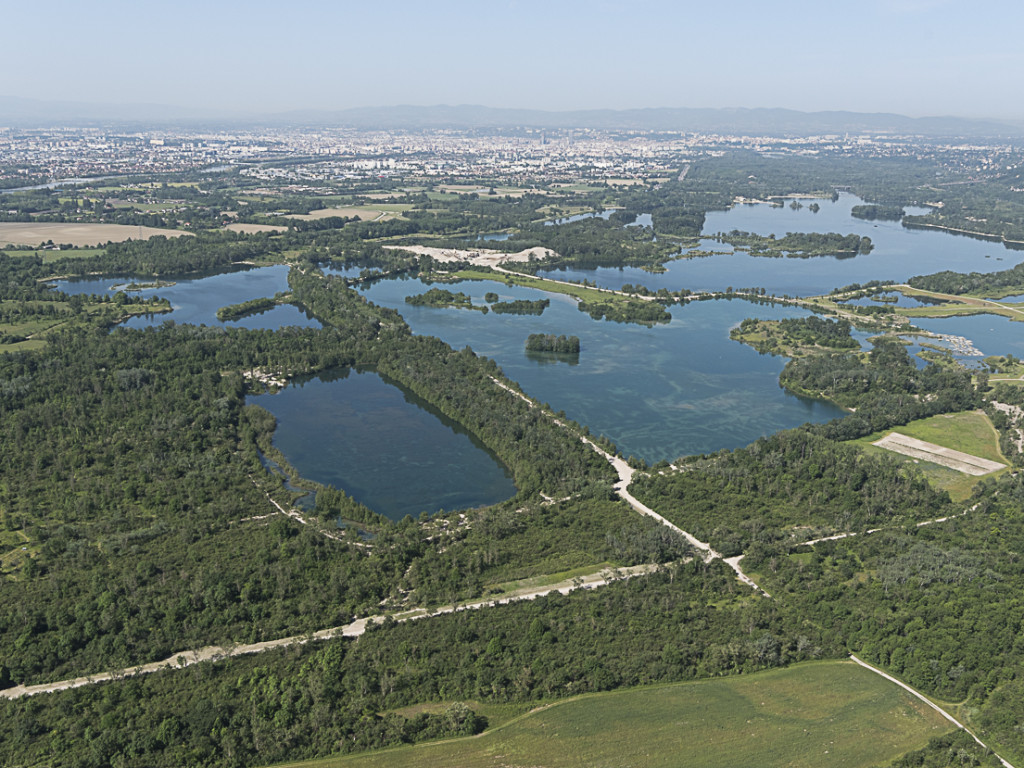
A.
x: 777, y: 122
x: 20, y: 112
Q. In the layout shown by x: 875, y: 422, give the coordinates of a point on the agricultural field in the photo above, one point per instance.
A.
x: 37, y: 233
x: 48, y: 256
x: 814, y: 714
x: 251, y: 229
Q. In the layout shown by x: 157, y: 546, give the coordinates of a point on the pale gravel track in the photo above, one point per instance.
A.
x: 930, y: 703
x: 625, y: 473
x: 354, y: 629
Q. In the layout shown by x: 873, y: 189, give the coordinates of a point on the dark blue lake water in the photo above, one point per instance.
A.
x: 355, y: 430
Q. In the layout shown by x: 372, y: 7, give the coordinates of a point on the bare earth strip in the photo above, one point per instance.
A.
x: 354, y: 629
x: 80, y: 235
x: 946, y: 457
x: 250, y: 229
x: 364, y: 214
x: 1017, y: 413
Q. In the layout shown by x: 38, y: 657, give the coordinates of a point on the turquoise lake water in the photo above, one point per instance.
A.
x: 658, y: 393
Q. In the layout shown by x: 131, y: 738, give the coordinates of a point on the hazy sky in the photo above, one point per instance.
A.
x: 913, y: 57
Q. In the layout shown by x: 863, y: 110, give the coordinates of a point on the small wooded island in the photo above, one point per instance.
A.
x: 244, y: 309
x: 521, y: 307
x: 801, y: 245
x: 548, y: 342
x: 440, y: 297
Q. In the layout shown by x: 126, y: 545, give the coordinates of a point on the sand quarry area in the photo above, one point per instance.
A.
x: 364, y: 214
x: 479, y: 257
x: 946, y: 457
x: 80, y: 235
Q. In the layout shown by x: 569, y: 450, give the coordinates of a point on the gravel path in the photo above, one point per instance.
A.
x: 625, y: 473
x: 354, y: 629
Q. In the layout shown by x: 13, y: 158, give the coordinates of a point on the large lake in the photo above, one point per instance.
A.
x: 658, y: 393
x: 899, y: 253
x: 196, y: 300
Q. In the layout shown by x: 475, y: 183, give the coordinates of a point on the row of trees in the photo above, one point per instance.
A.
x: 803, y: 245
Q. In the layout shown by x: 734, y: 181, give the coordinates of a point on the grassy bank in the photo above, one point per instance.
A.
x: 821, y: 713
x: 968, y: 432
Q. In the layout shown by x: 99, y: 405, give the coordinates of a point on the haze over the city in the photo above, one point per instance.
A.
x: 911, y: 57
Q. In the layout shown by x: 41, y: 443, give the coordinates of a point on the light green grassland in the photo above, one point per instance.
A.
x: 1011, y: 311
x: 52, y: 256
x: 15, y: 549
x: 559, y: 211
x: 551, y: 286
x: 816, y: 714
x: 958, y: 306
x: 35, y: 329
x: 546, y: 579
x: 1007, y: 371
x: 968, y: 432
x: 580, y: 187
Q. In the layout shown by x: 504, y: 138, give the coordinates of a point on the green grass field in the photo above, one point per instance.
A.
x: 1011, y: 311
x: 969, y: 432
x: 39, y: 327
x: 52, y: 256
x: 546, y: 579
x: 959, y: 306
x: 817, y: 714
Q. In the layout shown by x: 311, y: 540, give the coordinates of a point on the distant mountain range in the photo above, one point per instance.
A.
x: 22, y: 112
